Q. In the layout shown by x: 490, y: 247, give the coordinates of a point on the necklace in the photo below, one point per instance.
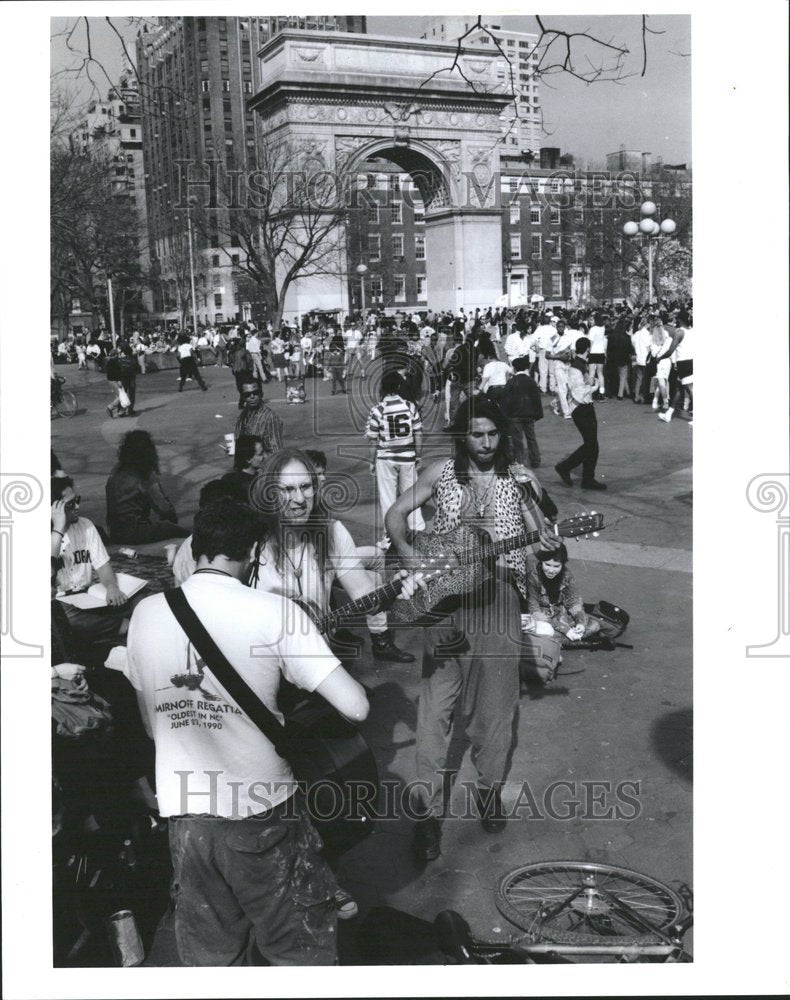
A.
x: 296, y: 569
x: 219, y: 572
x: 481, y: 503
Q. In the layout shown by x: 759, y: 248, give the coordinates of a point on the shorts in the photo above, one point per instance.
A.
x: 663, y: 368
x: 597, y: 359
x: 279, y: 361
x: 685, y: 372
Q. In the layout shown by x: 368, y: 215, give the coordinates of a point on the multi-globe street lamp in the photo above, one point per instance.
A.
x: 649, y: 230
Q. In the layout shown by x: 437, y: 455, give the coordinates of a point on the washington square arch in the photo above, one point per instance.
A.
x: 339, y: 101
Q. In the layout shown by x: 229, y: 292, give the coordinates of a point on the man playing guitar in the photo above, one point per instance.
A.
x: 471, y: 657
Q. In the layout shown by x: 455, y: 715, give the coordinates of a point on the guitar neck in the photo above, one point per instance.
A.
x: 362, y: 606
x: 491, y: 550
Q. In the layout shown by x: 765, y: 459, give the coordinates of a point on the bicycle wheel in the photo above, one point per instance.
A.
x: 67, y: 405
x: 585, y: 903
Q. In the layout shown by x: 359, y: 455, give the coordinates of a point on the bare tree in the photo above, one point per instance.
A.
x: 279, y: 224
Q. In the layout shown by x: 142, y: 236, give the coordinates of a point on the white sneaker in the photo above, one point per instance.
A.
x: 655, y: 402
x: 666, y: 417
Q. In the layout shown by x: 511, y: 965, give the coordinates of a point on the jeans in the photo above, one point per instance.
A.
x: 252, y: 891
x: 525, y: 443
x: 586, y: 454
x: 456, y: 388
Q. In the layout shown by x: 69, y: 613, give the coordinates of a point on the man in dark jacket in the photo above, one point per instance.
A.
x: 129, y: 369
x: 520, y: 402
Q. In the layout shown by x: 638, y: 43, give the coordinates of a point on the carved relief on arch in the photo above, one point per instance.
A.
x: 346, y: 148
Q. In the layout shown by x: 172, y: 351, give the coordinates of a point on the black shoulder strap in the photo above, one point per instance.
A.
x: 218, y: 663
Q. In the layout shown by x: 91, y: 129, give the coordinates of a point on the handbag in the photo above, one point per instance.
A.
x: 76, y: 710
x: 326, y: 752
x: 123, y: 397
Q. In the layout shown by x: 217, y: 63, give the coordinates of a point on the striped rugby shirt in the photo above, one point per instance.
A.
x: 392, y: 423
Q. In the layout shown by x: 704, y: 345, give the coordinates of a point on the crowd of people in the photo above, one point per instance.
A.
x: 266, y: 549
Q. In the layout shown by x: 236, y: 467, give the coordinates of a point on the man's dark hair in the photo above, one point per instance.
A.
x: 520, y: 364
x: 317, y: 458
x: 582, y: 345
x: 480, y: 408
x: 58, y: 486
x: 225, y: 528
x: 391, y: 384
x: 245, y: 450
x: 220, y: 490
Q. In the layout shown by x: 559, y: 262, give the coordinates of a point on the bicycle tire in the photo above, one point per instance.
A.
x: 67, y: 404
x: 513, y: 902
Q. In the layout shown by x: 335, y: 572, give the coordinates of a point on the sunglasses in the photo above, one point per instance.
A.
x: 74, y: 502
x: 251, y: 395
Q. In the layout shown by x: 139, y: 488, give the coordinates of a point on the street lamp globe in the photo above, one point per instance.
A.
x: 648, y: 208
x: 362, y: 269
x: 631, y: 228
x: 646, y: 226
x: 668, y: 227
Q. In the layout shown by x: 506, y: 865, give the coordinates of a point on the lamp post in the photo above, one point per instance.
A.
x: 191, y: 270
x: 362, y: 271
x: 651, y: 231
x: 508, y: 272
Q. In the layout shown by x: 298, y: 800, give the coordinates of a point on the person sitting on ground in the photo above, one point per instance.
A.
x: 552, y: 597
x: 79, y: 551
x: 133, y: 490
x: 247, y: 461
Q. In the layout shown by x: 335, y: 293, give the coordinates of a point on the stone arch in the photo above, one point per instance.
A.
x: 435, y: 171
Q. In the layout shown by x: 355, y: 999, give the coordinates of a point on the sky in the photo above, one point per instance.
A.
x: 648, y: 114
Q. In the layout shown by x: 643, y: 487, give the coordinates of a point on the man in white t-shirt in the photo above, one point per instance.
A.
x: 250, y: 887
x: 640, y: 343
x: 542, y: 340
x: 79, y: 552
x: 254, y: 349
x: 560, y: 355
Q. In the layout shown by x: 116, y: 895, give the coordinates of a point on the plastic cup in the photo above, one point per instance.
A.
x: 230, y: 444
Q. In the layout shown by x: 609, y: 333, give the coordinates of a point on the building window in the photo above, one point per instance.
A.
x: 515, y: 248
x: 215, y: 260
x: 376, y: 289
x: 132, y: 133
x: 247, y: 86
x: 397, y: 245
x: 218, y: 301
x: 396, y: 212
x: 537, y: 282
x: 234, y: 259
x: 535, y: 246
x: 399, y: 283
x: 534, y: 214
x: 204, y: 86
x: 422, y: 287
x: 204, y: 65
x: 556, y: 284
x: 374, y: 247
x: 216, y: 281
x: 419, y: 248
x: 557, y: 247
x: 419, y: 212
x: 226, y: 86
x: 373, y: 213
x: 555, y: 215
x: 515, y: 213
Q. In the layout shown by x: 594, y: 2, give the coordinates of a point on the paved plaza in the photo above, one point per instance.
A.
x: 614, y: 717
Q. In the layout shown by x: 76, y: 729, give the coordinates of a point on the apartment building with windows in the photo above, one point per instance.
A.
x: 516, y: 72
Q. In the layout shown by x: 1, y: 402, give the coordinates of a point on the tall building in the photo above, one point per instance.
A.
x: 314, y: 22
x: 196, y: 75
x: 113, y: 128
x: 521, y: 119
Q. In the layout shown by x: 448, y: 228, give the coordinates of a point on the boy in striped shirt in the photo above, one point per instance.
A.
x: 394, y: 430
